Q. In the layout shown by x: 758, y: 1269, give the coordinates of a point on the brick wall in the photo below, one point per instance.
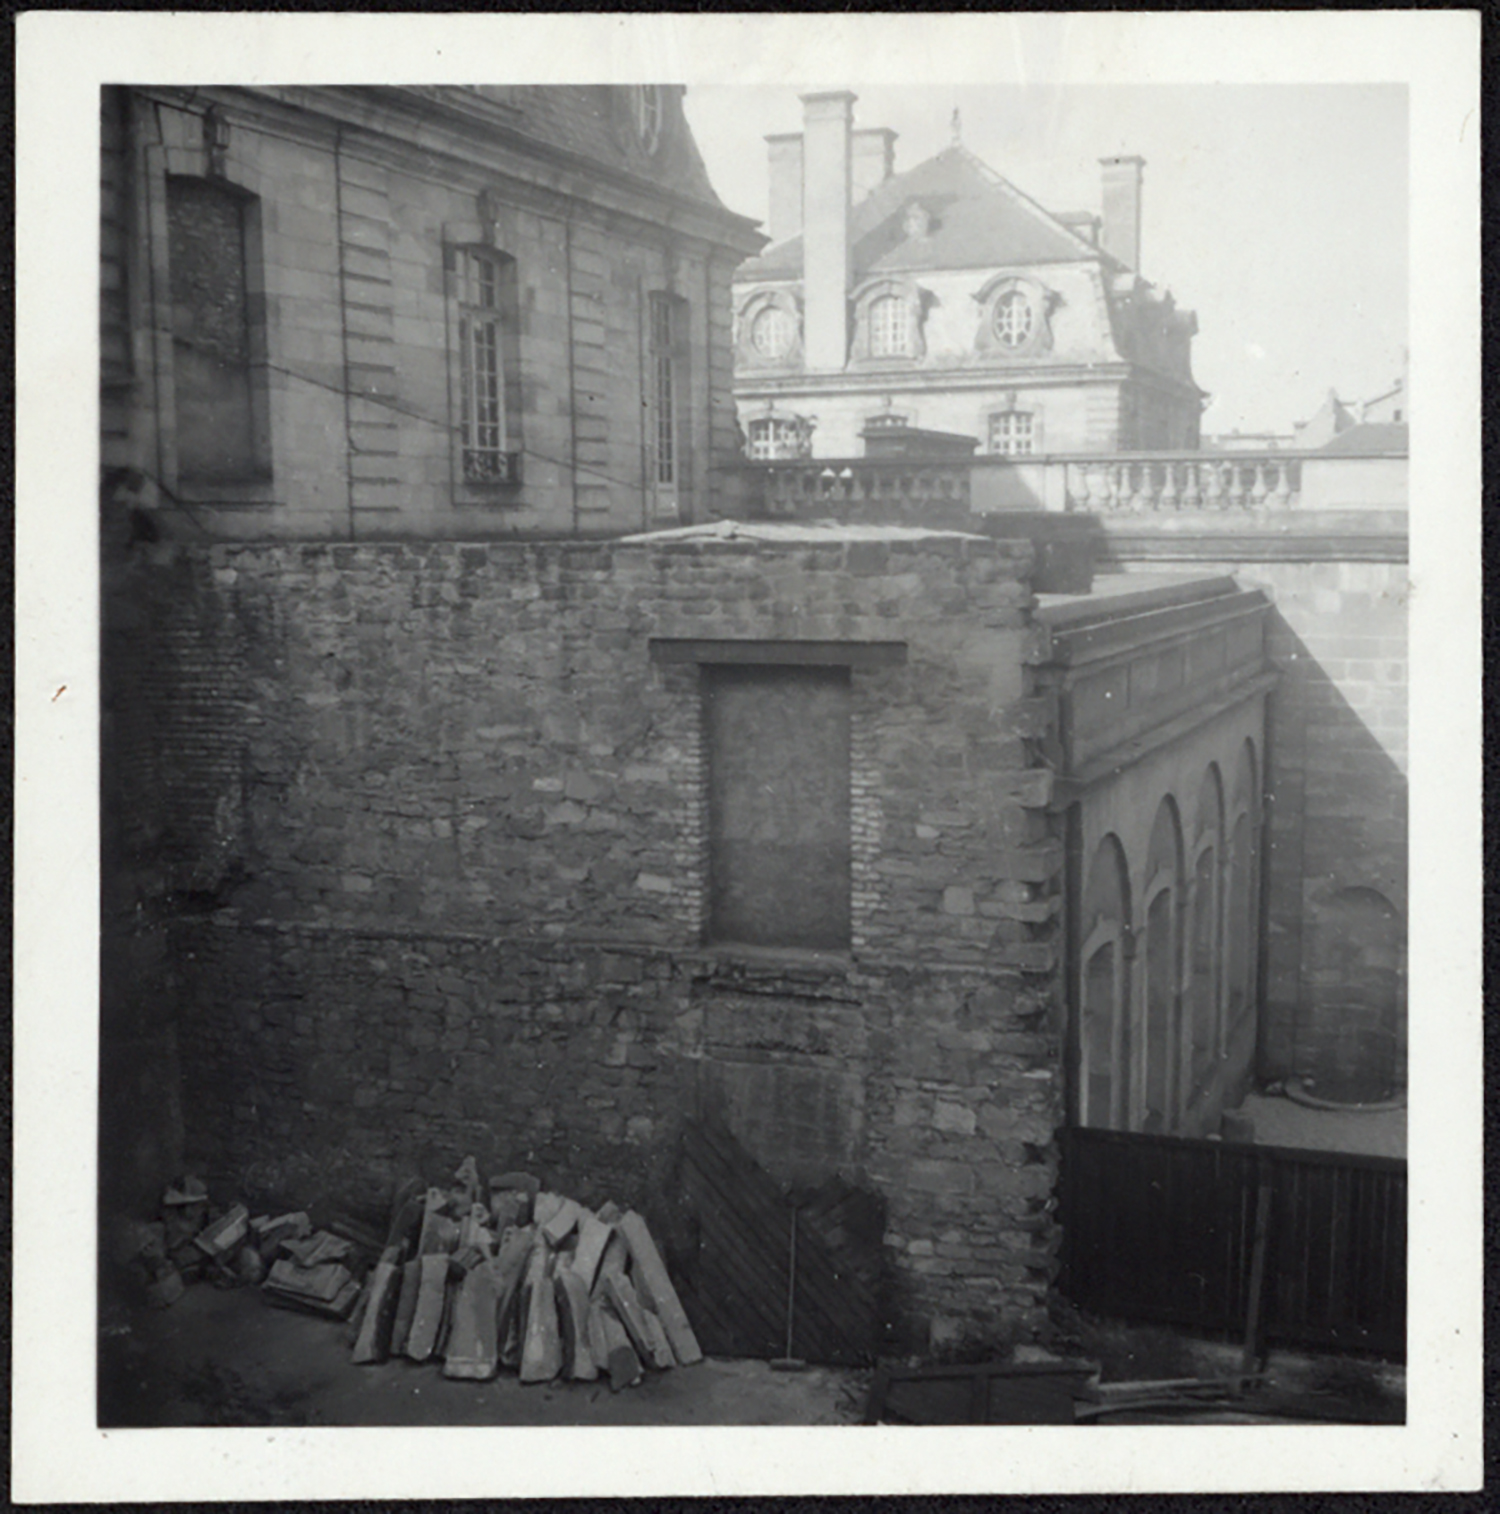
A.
x: 470, y: 905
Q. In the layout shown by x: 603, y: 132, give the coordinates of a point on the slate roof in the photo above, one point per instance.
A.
x: 593, y: 121
x: 978, y: 219
x: 1369, y: 439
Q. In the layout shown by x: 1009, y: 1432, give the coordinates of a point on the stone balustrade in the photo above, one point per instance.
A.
x: 1109, y: 485
x: 844, y: 485
x: 1173, y: 482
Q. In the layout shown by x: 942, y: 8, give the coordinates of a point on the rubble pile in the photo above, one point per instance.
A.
x: 513, y: 1277
x: 522, y: 1278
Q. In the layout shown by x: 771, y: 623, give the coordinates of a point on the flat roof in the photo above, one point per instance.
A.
x: 1118, y: 594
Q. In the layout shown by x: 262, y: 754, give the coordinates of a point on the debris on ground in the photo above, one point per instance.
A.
x: 470, y: 1277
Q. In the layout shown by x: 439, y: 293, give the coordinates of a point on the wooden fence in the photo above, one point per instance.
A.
x: 1161, y: 1229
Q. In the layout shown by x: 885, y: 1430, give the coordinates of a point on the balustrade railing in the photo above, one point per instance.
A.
x: 843, y: 486
x: 1155, y: 484
x: 1143, y: 484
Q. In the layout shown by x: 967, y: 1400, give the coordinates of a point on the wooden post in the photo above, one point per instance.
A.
x: 1257, y: 1275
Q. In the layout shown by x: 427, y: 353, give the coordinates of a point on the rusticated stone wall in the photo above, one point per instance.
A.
x: 464, y: 903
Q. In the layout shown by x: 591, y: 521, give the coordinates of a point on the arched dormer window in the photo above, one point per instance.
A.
x: 1015, y: 313
x: 888, y: 322
x: 768, y: 333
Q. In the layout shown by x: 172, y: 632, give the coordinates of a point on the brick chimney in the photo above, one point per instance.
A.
x: 825, y: 227
x: 874, y: 160
x: 1121, y: 232
x: 784, y: 152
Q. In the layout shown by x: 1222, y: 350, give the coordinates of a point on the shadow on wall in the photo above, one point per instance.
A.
x: 1336, y: 879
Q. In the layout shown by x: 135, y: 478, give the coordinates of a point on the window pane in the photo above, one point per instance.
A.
x: 1010, y: 433
x: 1013, y: 318
x: 778, y: 752
x: 210, y: 330
x: 772, y: 332
x: 889, y: 327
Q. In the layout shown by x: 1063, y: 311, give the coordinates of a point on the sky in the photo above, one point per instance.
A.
x: 1277, y: 212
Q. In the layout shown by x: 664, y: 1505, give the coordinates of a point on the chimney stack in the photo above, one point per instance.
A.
x: 1121, y: 234
x: 874, y: 160
x: 784, y: 153
x: 825, y: 227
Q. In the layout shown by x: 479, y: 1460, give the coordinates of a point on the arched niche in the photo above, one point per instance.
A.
x: 1355, y: 974
x: 1241, y: 888
x: 1158, y: 1073
x: 1104, y: 998
x: 1203, y: 966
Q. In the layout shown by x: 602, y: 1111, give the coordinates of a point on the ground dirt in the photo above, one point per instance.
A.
x: 226, y: 1357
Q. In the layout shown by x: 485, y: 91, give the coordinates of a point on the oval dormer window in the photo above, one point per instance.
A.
x: 773, y: 332
x: 1014, y: 318
x: 646, y: 103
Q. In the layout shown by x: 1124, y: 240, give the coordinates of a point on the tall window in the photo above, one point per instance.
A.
x: 664, y: 387
x: 890, y: 327
x: 1011, y: 433
x: 666, y: 399
x: 482, y: 288
x: 218, y: 439
x: 779, y: 832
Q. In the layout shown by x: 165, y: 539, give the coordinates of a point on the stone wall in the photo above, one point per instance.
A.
x: 1338, y: 815
x: 353, y: 336
x: 1336, y: 858
x: 466, y: 905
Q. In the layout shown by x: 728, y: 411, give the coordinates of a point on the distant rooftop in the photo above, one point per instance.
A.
x: 1369, y: 439
x: 807, y: 532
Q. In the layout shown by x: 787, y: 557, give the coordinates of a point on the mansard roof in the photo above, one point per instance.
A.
x: 976, y: 219
x: 593, y: 121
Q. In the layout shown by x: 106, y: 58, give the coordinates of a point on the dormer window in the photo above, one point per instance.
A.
x: 890, y: 327
x: 1014, y: 319
x: 768, y: 330
x: 648, y: 108
x: 888, y: 321
x: 916, y: 222
x: 773, y: 331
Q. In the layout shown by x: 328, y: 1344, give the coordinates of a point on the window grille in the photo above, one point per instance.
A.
x: 890, y: 327
x: 773, y: 438
x: 773, y: 332
x: 484, y: 427
x: 1011, y: 433
x: 664, y: 379
x: 1014, y: 319
x: 647, y: 104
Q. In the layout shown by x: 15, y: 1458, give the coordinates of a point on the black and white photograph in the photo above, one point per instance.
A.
x: 762, y: 737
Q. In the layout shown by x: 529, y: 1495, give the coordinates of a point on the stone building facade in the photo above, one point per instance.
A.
x: 439, y: 839
x: 447, y: 312
x: 536, y: 850
x: 944, y: 299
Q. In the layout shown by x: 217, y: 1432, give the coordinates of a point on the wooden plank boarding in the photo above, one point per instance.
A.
x: 1161, y: 1229
x: 734, y: 1290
